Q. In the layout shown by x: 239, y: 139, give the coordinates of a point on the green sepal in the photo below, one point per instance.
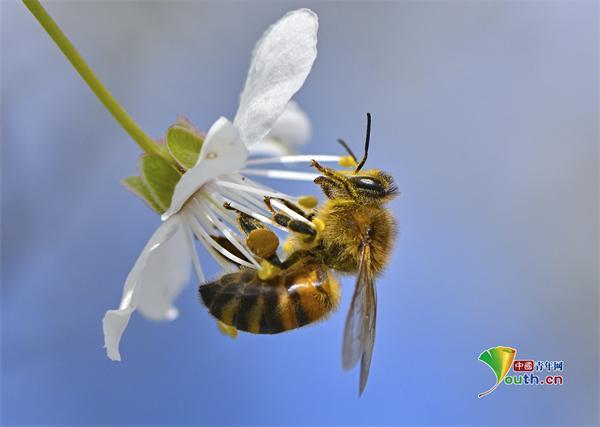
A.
x: 137, y: 187
x: 160, y: 178
x: 163, y: 150
x: 184, y: 145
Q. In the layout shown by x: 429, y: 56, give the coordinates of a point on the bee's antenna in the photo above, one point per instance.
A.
x: 343, y: 144
x: 364, y: 159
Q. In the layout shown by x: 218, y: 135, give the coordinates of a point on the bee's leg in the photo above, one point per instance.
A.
x: 263, y: 242
x: 308, y: 200
x: 327, y: 185
x: 293, y: 258
x: 227, y: 330
x: 292, y: 224
x: 301, y: 227
x: 260, y: 240
x: 336, y: 177
x: 245, y: 221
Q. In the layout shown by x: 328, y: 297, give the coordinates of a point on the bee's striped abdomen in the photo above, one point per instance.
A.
x: 292, y: 299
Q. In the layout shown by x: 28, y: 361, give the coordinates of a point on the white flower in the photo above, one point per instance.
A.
x: 280, y: 64
x: 290, y: 132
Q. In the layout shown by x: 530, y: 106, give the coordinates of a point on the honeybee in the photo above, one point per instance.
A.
x: 352, y: 232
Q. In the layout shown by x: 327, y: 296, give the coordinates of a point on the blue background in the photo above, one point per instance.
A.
x: 486, y: 113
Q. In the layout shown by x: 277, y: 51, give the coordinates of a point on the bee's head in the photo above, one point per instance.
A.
x: 371, y: 186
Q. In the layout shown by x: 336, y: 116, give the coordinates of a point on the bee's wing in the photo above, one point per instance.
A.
x: 359, y: 332
x: 370, y: 324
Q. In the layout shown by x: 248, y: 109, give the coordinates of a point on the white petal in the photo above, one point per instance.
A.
x: 271, y: 147
x: 292, y: 127
x: 189, y: 239
x: 290, y: 131
x: 155, y: 256
x: 113, y: 326
x: 222, y: 152
x: 280, y: 63
x: 167, y: 271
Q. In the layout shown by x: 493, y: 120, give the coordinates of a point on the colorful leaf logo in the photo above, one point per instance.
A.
x: 499, y: 359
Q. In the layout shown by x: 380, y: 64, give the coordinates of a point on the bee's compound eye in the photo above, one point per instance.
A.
x: 369, y: 184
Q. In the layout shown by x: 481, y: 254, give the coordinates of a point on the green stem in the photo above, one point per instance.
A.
x: 84, y: 70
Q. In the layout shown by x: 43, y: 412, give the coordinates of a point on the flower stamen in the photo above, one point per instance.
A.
x: 227, y: 232
x: 193, y: 252
x: 300, y: 158
x: 281, y: 174
x: 256, y: 215
x: 198, y: 226
x: 250, y: 189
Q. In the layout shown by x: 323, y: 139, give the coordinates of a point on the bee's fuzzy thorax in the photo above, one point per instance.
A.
x: 347, y: 227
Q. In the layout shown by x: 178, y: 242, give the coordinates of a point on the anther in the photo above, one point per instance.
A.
x: 347, y: 162
x: 308, y: 202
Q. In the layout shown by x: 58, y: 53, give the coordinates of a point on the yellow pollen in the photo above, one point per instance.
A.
x: 347, y: 162
x: 267, y: 270
x: 319, y: 224
x: 263, y: 242
x: 308, y: 202
x: 288, y: 246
